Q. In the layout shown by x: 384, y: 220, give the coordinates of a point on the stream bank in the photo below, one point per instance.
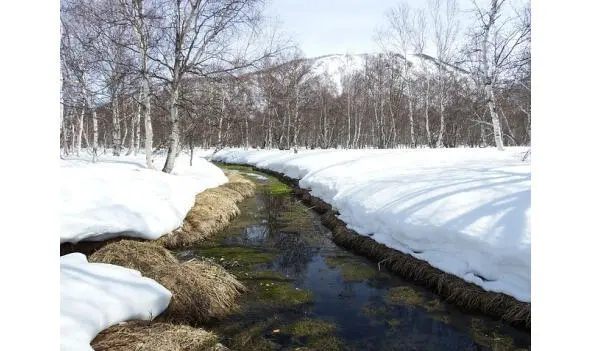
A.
x: 305, y: 292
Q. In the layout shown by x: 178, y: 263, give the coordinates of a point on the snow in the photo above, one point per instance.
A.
x: 120, y: 196
x: 465, y: 211
x: 337, y: 67
x: 95, y: 296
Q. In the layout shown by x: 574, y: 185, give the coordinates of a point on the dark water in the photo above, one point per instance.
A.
x: 306, y: 293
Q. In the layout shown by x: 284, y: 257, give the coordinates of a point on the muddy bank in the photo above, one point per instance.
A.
x: 467, y: 296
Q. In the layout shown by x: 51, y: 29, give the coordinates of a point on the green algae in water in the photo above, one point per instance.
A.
x: 374, y: 313
x: 393, y: 322
x: 241, y: 168
x: 404, y: 295
x: 273, y: 185
x: 277, y: 188
x: 265, y: 276
x: 310, y: 327
x: 327, y: 343
x: 235, y: 256
x: 283, y: 293
x: 351, y: 268
x: 492, y: 339
x: 250, y: 337
x: 317, y: 334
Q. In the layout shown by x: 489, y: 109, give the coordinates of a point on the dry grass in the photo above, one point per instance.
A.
x: 201, y: 290
x: 213, y: 210
x: 150, y: 336
x: 90, y: 247
x: 146, y: 257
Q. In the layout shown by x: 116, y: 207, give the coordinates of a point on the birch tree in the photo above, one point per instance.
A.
x: 399, y: 38
x: 139, y: 14
x: 79, y: 57
x: 199, y: 37
x: 499, y: 36
x: 445, y: 26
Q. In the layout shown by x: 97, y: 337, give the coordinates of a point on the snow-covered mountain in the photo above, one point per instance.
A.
x: 336, y: 66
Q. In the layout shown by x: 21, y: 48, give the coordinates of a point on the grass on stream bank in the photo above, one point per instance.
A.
x: 202, y: 291
x: 149, y: 336
x: 213, y: 210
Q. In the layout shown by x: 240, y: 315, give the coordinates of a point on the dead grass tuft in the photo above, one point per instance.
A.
x: 150, y: 336
x: 146, y: 257
x: 201, y: 290
x: 213, y: 210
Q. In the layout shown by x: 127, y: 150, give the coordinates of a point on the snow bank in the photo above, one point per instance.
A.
x: 465, y: 211
x: 120, y: 196
x: 95, y: 296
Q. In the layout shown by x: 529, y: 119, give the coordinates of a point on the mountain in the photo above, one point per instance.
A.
x: 336, y: 66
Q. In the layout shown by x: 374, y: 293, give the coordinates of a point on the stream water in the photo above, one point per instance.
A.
x: 306, y: 293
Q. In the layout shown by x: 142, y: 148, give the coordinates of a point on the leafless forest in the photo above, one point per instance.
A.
x: 147, y: 75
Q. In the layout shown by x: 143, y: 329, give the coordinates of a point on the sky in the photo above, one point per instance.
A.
x: 323, y: 27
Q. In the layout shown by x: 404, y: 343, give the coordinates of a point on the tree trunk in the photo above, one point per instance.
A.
x: 348, y: 145
x: 147, y: 109
x: 441, y: 122
x: 94, y: 136
x: 141, y: 35
x: 80, y: 130
x: 410, y: 107
x: 247, y: 141
x: 116, y: 127
x: 174, y: 137
x: 125, y: 132
x: 427, y: 130
x: 495, y: 117
x: 137, y: 137
x: 488, y: 79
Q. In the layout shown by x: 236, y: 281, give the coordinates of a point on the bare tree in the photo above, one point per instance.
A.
x: 399, y: 36
x: 200, y: 38
x: 445, y: 25
x: 500, y: 37
x: 79, y: 43
x: 139, y: 13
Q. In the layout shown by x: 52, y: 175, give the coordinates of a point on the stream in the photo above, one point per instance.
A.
x: 306, y: 293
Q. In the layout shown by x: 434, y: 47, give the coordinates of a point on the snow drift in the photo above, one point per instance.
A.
x: 465, y: 211
x: 95, y: 296
x: 120, y: 196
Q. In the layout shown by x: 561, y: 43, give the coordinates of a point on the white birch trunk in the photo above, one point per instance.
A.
x: 427, y: 130
x: 348, y: 145
x: 174, y: 137
x: 125, y: 133
x: 488, y: 79
x: 116, y: 127
x: 80, y: 130
x: 141, y: 35
x: 441, y: 122
x: 94, y: 136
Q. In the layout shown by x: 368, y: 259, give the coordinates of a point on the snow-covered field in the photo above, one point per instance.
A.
x: 465, y: 211
x: 121, y: 196
x: 95, y: 296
